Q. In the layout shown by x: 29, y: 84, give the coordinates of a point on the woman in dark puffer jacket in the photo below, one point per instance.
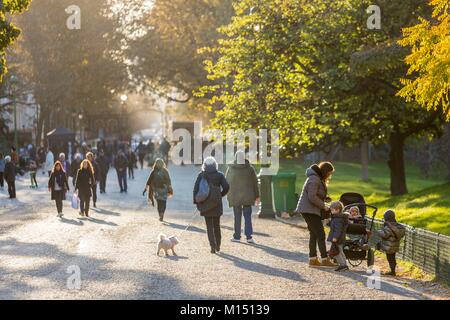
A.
x: 216, y: 179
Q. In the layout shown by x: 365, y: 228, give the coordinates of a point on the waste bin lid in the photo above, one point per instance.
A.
x: 285, y: 175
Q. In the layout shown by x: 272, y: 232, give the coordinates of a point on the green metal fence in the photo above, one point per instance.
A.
x: 428, y: 250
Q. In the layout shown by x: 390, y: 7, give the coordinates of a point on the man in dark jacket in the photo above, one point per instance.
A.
x: 103, y: 165
x: 212, y: 215
x: 10, y: 177
x: 74, y: 166
x: 121, y: 165
x: 243, y: 194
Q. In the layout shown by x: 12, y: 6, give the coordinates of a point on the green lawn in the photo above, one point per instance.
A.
x: 426, y: 206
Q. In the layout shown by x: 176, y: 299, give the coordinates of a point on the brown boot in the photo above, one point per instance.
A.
x: 314, y: 262
x: 327, y: 262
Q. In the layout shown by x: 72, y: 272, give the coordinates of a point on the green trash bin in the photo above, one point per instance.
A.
x: 283, y: 192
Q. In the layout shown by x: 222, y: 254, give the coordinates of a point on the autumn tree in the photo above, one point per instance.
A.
x: 429, y: 60
x: 70, y: 71
x: 313, y: 70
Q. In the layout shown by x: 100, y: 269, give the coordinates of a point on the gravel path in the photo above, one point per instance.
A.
x: 115, y: 250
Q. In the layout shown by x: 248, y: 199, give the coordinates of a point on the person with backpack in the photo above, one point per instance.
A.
x: 244, y: 193
x: 391, y: 234
x: 159, y: 187
x: 209, y: 189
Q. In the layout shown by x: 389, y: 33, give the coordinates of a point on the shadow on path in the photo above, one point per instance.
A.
x: 363, y: 277
x: 261, y: 268
x: 259, y: 234
x: 183, y: 227
x: 52, y: 276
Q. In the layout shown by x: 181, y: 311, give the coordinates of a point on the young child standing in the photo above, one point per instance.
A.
x: 391, y: 234
x: 338, y: 228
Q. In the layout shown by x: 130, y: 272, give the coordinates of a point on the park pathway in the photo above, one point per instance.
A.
x: 115, y: 251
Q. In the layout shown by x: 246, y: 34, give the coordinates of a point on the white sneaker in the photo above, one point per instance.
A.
x: 251, y: 241
x: 235, y: 240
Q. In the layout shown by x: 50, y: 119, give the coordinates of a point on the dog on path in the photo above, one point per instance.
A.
x: 166, y: 243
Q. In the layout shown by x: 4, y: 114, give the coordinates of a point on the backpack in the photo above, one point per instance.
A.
x: 213, y: 198
x: 203, y: 190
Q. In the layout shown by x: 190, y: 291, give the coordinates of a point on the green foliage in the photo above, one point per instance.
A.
x: 429, y: 61
x: 427, y: 206
x: 8, y: 32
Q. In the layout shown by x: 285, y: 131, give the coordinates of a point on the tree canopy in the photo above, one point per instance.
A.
x: 8, y: 31
x: 429, y: 60
x: 313, y: 70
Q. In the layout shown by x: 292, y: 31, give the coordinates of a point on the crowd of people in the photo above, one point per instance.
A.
x: 239, y: 184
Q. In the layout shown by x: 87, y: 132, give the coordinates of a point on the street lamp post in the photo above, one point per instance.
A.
x: 13, y: 83
x: 123, y: 100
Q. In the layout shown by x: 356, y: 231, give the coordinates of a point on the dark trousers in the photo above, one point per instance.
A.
x: 94, y: 193
x: 238, y: 212
x: 59, y: 200
x: 316, y: 235
x: 11, y: 189
x: 33, y: 179
x: 2, y: 183
x: 141, y: 161
x: 103, y: 182
x: 84, y: 204
x: 213, y: 229
x: 122, y: 176
x: 392, y: 261
x: 131, y: 172
x: 161, y: 206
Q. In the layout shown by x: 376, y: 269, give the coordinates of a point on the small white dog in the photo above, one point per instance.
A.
x: 167, y: 244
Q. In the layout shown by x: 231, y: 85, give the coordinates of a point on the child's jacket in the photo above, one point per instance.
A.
x: 338, y: 227
x: 391, y: 235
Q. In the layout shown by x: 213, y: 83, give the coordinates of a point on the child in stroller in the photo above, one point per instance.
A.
x: 356, y: 246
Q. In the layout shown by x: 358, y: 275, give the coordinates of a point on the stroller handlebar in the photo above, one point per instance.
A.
x: 361, y: 204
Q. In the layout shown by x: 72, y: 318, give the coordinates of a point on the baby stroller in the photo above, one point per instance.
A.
x: 356, y: 246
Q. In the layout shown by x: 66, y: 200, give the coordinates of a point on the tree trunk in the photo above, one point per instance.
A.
x: 365, y: 160
x: 396, y: 164
x: 40, y: 124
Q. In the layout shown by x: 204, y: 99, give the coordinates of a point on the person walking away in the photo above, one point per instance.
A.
x: 14, y: 156
x: 313, y: 208
x: 83, y: 186
x: 32, y: 168
x: 159, y: 186
x: 391, y: 234
x: 338, y: 230
x: 2, y: 171
x: 121, y: 165
x: 243, y: 194
x: 141, y: 154
x: 212, y: 208
x: 58, y: 186
x: 65, y: 164
x: 91, y: 158
x: 10, y: 177
x: 74, y: 166
x: 49, y: 162
x: 103, y: 167
x: 131, y: 163
x: 164, y: 148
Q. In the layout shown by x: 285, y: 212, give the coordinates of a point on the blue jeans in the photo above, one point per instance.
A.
x: 247, y: 211
x: 122, y: 176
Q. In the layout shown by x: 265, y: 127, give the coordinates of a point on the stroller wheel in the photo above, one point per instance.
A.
x: 370, y: 258
x: 355, y: 263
